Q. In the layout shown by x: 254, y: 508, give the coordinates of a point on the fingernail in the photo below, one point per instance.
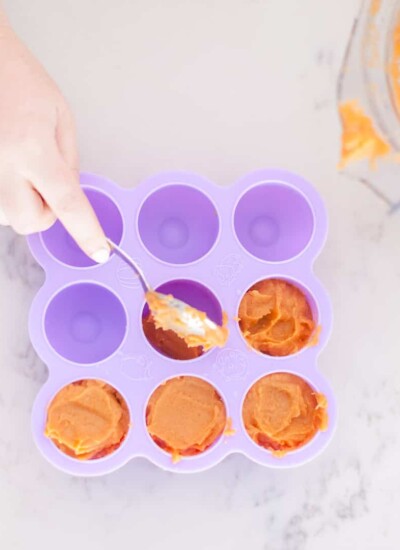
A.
x: 101, y: 255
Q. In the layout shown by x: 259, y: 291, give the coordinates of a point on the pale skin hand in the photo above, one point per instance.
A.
x: 38, y: 153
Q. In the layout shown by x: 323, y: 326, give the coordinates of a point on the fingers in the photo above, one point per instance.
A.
x: 23, y: 208
x: 59, y: 186
x: 66, y: 138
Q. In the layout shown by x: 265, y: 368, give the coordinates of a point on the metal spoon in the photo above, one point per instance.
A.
x: 172, y: 314
x: 131, y: 262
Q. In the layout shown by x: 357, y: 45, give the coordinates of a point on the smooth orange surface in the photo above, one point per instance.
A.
x: 281, y: 412
x: 275, y: 318
x: 168, y: 342
x: 360, y: 139
x: 185, y: 415
x: 87, y: 419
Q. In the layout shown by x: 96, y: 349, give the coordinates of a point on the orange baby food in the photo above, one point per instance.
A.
x: 87, y: 419
x: 275, y: 318
x: 374, y: 7
x: 168, y: 342
x: 360, y: 139
x: 394, y: 66
x: 281, y: 412
x: 185, y: 415
x: 190, y: 324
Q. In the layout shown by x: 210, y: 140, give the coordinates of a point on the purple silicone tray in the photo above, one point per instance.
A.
x: 205, y: 244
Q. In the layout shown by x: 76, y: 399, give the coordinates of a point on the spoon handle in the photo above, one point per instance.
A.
x: 128, y: 260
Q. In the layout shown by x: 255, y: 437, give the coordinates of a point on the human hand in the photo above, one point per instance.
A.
x: 38, y: 153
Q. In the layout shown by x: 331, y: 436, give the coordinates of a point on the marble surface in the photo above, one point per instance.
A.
x: 219, y: 87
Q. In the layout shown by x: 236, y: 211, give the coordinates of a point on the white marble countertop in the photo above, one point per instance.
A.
x: 219, y: 87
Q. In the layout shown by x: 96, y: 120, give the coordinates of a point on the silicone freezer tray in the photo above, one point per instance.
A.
x: 205, y: 244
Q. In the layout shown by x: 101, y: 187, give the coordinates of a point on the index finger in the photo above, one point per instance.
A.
x: 59, y: 186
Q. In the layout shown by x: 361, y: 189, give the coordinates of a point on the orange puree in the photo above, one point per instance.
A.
x: 168, y: 342
x: 360, y: 139
x: 374, y: 7
x: 185, y: 415
x: 275, y: 318
x: 87, y: 419
x: 190, y: 324
x: 281, y: 412
x: 394, y: 66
